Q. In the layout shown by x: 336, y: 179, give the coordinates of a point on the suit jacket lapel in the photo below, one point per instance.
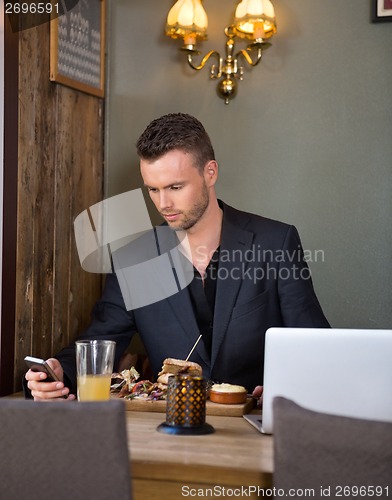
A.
x: 234, y: 239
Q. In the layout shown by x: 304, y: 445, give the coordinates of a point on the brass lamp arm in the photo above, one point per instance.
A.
x: 204, y: 61
x: 259, y: 46
x: 248, y: 58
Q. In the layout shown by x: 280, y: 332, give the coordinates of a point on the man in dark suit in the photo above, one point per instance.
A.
x: 249, y: 273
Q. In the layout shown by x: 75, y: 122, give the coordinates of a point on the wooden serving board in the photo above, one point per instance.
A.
x: 211, y: 408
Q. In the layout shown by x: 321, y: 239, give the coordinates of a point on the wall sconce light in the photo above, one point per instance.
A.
x: 253, y: 19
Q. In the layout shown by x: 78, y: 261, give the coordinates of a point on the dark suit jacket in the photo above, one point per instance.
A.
x: 263, y: 282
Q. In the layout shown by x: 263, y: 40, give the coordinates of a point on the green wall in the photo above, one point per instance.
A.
x: 307, y: 140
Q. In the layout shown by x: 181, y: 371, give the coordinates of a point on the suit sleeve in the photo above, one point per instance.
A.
x: 110, y: 321
x: 299, y: 304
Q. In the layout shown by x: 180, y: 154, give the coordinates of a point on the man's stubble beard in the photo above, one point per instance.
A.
x: 196, y: 213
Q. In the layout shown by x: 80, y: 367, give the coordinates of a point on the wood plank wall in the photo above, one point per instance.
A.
x: 60, y: 174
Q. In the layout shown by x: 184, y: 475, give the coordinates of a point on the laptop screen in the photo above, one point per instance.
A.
x: 345, y: 372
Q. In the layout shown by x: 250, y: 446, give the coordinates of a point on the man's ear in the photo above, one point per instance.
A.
x: 211, y: 172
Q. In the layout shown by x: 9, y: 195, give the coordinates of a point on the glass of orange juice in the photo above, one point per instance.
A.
x: 94, y: 367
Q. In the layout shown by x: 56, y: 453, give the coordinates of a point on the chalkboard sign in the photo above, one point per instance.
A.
x: 77, y: 47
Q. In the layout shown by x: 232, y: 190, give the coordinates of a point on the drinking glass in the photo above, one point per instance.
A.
x: 94, y: 367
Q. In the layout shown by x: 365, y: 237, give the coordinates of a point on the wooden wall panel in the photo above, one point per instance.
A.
x: 60, y: 174
x: 10, y: 184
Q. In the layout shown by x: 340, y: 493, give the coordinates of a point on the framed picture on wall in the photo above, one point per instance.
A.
x: 77, y: 47
x: 381, y: 11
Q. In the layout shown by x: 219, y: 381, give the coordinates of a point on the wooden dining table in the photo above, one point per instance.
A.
x: 235, y: 460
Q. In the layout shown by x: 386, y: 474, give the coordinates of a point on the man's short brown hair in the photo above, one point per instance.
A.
x: 176, y: 131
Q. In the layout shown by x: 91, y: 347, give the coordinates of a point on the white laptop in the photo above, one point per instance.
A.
x: 337, y: 371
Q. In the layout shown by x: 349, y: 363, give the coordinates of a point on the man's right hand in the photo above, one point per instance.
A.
x: 258, y: 393
x: 44, y: 391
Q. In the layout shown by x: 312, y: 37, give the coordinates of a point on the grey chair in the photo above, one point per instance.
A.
x: 326, y: 453
x: 63, y: 451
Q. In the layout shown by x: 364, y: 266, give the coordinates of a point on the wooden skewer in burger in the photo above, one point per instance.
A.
x: 172, y: 366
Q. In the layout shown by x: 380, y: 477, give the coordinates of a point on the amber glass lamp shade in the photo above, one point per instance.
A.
x: 187, y: 19
x: 255, y: 19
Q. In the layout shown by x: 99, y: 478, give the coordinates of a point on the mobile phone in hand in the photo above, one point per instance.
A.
x: 40, y: 365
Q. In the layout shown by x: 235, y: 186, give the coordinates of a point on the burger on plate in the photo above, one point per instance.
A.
x: 173, y: 366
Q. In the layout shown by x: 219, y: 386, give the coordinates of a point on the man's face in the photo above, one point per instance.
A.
x: 177, y: 188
